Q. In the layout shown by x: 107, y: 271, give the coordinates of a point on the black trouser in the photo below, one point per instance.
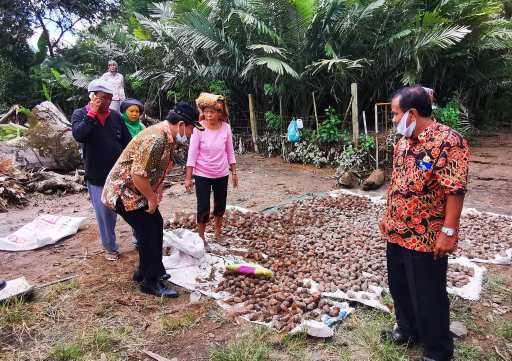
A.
x: 149, y: 229
x: 418, y: 286
x: 204, y: 187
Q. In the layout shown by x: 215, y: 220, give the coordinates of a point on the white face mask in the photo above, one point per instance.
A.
x: 402, y: 127
x: 181, y: 139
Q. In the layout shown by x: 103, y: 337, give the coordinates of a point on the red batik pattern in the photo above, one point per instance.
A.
x: 425, y: 171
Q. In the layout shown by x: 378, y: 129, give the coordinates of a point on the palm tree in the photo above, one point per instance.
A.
x: 302, y: 46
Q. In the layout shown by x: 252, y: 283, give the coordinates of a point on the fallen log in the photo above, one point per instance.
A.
x: 50, y: 136
x: 7, y: 115
x: 51, y: 182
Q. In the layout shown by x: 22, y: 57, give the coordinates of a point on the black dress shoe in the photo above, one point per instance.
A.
x: 158, y: 289
x: 397, y: 337
x: 137, y: 277
x: 2, y: 284
x: 165, y: 277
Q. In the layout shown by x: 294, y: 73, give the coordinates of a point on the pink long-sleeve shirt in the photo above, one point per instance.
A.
x: 211, y: 152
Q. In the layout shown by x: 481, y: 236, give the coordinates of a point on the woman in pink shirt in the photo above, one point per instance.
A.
x: 210, y: 159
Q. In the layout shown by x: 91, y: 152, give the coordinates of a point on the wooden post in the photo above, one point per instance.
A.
x: 377, y: 137
x: 386, y: 118
x: 254, y: 125
x: 346, y: 112
x: 283, y: 123
x: 355, y: 113
x: 314, y: 108
x: 364, y: 122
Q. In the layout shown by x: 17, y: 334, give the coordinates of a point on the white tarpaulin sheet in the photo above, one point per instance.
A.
x: 44, y: 230
x: 190, y: 267
x: 473, y: 289
x: 502, y: 258
x: 15, y: 288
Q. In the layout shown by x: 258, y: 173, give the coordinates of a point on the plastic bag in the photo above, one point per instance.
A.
x: 185, y: 241
x: 300, y: 124
x: 293, y: 132
x: 44, y: 230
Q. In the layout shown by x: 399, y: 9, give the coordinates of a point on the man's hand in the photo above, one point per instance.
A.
x: 188, y: 185
x: 152, y: 204
x: 235, y: 180
x: 444, y: 245
x: 95, y: 104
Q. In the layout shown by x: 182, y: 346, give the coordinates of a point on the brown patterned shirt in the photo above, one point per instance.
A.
x: 425, y: 171
x: 149, y: 155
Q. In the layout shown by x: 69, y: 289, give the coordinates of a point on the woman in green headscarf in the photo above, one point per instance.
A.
x: 131, y: 109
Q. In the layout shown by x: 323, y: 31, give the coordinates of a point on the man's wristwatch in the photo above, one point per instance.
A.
x: 450, y: 232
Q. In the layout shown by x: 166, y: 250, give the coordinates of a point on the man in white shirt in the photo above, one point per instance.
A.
x: 116, y: 82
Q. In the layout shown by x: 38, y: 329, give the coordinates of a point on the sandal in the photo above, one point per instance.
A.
x: 112, y: 256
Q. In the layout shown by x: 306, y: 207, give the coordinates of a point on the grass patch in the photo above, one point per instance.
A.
x: 218, y: 315
x: 69, y: 352
x: 251, y: 347
x: 55, y: 292
x: 465, y: 352
x: 505, y: 330
x: 15, y: 313
x: 358, y: 338
x: 90, y: 344
x: 497, y: 286
x: 296, y: 345
x: 101, y: 339
x: 460, y: 310
x: 174, y: 326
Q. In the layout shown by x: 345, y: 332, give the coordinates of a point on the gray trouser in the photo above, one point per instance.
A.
x: 105, y: 217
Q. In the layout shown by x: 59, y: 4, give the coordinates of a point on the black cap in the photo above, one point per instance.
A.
x: 125, y: 104
x: 186, y: 112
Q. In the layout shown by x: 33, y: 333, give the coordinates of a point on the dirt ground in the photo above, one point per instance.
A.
x: 102, y: 296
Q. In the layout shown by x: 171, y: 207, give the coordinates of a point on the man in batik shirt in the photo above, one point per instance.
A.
x: 421, y: 224
x: 134, y: 189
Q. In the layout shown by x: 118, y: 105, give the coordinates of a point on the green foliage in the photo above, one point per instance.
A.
x: 450, y: 115
x: 11, y: 131
x: 25, y: 112
x: 328, y: 131
x: 218, y: 87
x: 173, y: 94
x: 272, y: 89
x: 354, y: 159
x: 279, y: 48
x: 367, y: 143
x: 138, y: 87
x: 309, y: 135
x: 273, y: 121
x: 46, y: 91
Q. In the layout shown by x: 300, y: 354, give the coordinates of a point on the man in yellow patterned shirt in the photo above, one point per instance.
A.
x: 134, y: 189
